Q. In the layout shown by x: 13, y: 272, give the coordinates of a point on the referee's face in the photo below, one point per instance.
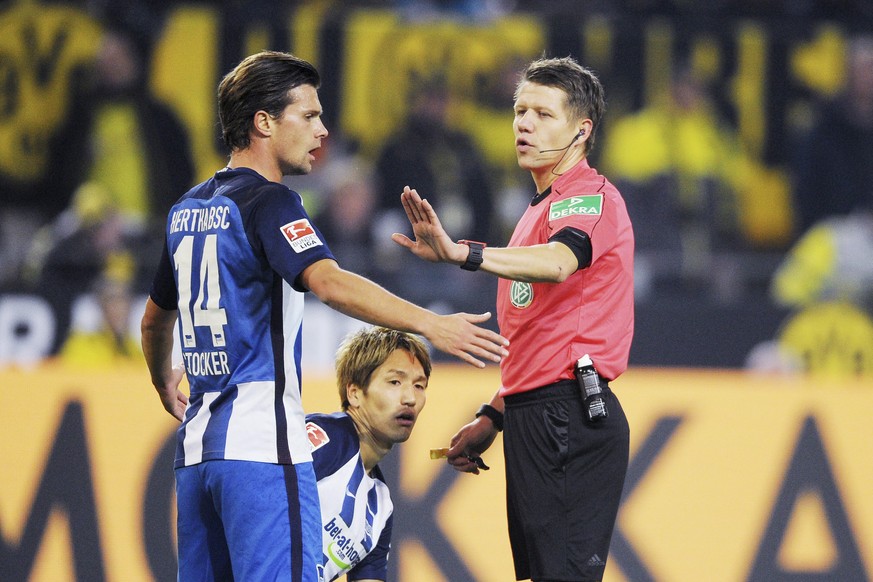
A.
x: 386, y: 412
x: 298, y: 132
x: 545, y: 132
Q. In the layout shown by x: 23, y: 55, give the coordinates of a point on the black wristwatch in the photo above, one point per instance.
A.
x: 474, y: 258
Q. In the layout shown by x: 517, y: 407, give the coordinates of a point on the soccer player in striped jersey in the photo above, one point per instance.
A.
x: 240, y: 252
x: 382, y: 375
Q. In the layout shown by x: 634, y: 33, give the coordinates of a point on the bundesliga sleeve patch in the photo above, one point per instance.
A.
x: 576, y: 205
x: 317, y: 437
x: 300, y: 235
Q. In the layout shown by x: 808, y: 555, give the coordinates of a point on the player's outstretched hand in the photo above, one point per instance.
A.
x: 469, y: 443
x: 459, y: 335
x: 431, y: 243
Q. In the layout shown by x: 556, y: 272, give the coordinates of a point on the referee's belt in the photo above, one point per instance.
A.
x: 559, y: 390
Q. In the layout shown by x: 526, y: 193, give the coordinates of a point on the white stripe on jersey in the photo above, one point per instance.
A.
x: 251, y: 432
x: 342, y: 543
x: 292, y: 321
x: 195, y: 429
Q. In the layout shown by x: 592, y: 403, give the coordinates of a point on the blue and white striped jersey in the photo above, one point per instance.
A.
x: 356, y: 508
x: 235, y: 247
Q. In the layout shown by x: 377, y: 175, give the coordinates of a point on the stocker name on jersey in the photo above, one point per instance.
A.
x: 200, y: 219
x: 206, y: 363
x: 342, y: 550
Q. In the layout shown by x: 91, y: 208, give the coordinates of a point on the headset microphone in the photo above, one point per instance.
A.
x: 577, y: 136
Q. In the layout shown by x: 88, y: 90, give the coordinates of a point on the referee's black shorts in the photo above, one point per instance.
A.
x: 564, y: 478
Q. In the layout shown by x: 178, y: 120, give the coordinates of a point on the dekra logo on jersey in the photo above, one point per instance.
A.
x: 300, y: 235
x: 576, y: 205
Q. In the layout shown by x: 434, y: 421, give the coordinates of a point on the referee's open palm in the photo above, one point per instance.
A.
x: 431, y: 243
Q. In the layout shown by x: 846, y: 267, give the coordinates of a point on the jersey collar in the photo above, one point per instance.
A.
x: 568, y: 176
x: 226, y: 173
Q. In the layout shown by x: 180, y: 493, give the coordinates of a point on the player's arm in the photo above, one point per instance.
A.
x: 551, y: 262
x: 358, y: 297
x: 157, y: 347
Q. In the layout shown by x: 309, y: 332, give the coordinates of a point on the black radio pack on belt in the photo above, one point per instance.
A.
x: 591, y: 389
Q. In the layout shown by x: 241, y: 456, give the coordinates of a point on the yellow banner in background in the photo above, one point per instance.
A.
x: 81, y: 474
x: 732, y: 477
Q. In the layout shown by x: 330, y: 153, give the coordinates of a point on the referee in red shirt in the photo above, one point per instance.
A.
x: 565, y: 291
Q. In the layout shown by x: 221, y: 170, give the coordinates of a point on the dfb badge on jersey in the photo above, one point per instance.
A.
x: 300, y: 235
x: 317, y: 436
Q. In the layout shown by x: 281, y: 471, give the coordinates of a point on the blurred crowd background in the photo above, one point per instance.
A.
x: 739, y: 131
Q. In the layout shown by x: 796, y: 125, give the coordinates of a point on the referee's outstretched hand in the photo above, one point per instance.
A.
x: 431, y: 243
x: 469, y: 443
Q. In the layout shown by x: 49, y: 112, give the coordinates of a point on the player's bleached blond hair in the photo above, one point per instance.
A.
x: 363, y: 351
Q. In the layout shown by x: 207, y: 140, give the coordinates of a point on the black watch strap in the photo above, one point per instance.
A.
x: 474, y: 257
x: 495, y: 415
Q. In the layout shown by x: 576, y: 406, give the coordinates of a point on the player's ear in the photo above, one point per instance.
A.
x: 262, y: 122
x: 353, y: 394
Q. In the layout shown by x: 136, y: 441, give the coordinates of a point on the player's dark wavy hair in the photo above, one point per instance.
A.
x: 261, y: 82
x: 365, y: 350
x: 585, y: 96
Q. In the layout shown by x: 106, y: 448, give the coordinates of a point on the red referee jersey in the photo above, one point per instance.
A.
x: 551, y: 325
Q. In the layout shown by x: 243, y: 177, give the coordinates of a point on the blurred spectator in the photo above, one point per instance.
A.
x: 826, y: 280
x: 140, y: 150
x: 346, y: 209
x: 107, y: 338
x: 486, y: 113
x: 42, y: 134
x: 679, y: 165
x: 830, y: 262
x: 832, y: 339
x: 138, y: 163
x: 428, y: 154
x: 68, y: 258
x: 832, y: 170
